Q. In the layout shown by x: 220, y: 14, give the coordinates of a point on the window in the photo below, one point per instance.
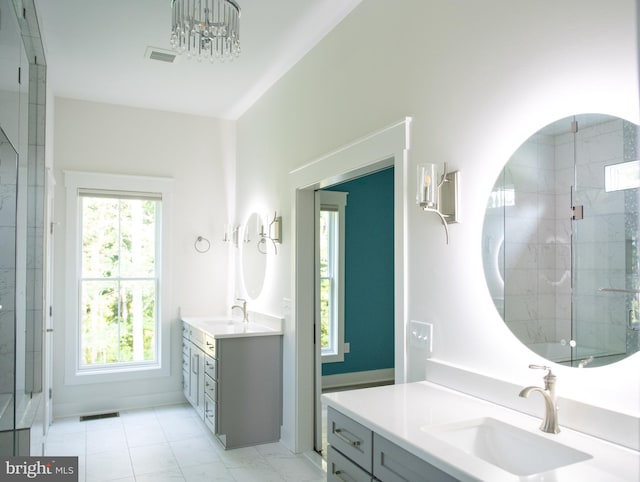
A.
x: 625, y: 175
x: 117, y: 240
x: 119, y: 277
x: 331, y: 233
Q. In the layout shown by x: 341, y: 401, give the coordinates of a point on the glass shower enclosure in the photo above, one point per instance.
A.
x: 8, y: 228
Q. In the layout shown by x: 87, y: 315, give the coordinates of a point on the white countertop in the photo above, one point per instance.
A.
x: 227, y: 328
x: 401, y: 412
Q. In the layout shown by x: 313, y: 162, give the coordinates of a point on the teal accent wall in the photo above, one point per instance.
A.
x: 369, y: 303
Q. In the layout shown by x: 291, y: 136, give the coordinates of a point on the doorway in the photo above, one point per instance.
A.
x: 354, y: 288
x: 384, y: 148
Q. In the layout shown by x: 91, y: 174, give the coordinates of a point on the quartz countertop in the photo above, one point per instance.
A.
x: 229, y: 328
x: 405, y: 413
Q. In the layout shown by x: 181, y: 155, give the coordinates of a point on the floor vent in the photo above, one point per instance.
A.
x: 86, y: 418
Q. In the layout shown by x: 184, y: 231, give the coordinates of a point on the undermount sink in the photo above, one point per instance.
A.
x: 506, y: 446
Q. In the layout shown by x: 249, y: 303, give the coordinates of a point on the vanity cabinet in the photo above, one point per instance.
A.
x: 357, y: 453
x: 235, y: 385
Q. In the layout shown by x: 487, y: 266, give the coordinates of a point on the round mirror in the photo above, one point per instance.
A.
x: 560, y: 241
x: 254, y: 262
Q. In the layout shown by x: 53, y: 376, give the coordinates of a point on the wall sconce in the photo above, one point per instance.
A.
x: 231, y: 234
x: 273, y: 234
x: 439, y: 194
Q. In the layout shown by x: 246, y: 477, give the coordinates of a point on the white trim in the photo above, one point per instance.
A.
x: 384, y: 148
x: 78, y: 407
x: 73, y: 181
x: 369, y: 377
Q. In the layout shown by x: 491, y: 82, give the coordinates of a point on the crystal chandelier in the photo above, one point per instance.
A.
x: 206, y: 29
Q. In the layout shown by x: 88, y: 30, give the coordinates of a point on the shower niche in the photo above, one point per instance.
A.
x: 560, y: 241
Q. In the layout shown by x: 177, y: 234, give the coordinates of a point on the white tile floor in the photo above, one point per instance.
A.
x: 170, y: 444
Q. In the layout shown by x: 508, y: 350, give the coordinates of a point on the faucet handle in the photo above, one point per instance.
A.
x: 543, y: 367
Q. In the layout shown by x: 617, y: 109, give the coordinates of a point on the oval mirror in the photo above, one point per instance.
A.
x: 560, y: 241
x: 254, y: 263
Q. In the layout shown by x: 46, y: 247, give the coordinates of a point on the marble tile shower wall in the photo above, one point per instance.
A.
x: 530, y: 256
x: 538, y: 251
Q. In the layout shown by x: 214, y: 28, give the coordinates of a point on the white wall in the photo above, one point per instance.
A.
x: 197, y: 152
x: 478, y: 78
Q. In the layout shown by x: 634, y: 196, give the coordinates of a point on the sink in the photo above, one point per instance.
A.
x: 506, y: 446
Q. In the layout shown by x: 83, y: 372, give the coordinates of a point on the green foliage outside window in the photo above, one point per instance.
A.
x: 118, y: 282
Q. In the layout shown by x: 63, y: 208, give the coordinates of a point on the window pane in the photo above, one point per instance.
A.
x: 99, y: 237
x: 137, y: 237
x: 325, y: 223
x: 325, y: 313
x: 137, y: 331
x: 100, y: 322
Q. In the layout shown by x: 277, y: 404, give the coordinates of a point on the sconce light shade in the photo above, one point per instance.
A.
x: 427, y: 193
x: 273, y: 233
x: 438, y: 193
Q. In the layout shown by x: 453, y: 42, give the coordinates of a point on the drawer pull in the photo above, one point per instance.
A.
x: 338, y: 474
x: 338, y: 433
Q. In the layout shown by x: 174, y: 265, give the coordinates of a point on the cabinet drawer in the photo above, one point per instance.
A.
x: 197, y: 337
x: 210, y: 367
x: 210, y: 413
x: 185, y: 383
x: 350, y: 438
x: 186, y: 330
x: 185, y: 360
x: 210, y: 387
x: 394, y: 464
x: 209, y: 345
x: 340, y: 468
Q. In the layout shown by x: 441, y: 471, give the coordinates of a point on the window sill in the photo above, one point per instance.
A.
x: 121, y: 374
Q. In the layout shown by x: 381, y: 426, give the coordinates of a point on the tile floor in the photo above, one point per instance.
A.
x: 170, y: 444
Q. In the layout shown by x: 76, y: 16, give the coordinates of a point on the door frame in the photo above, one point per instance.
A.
x: 379, y: 150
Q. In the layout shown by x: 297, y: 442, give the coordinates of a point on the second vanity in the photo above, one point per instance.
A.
x: 426, y: 432
x: 232, y: 376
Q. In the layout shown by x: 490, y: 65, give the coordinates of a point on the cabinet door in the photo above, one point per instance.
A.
x: 394, y: 464
x: 192, y: 376
x: 340, y: 468
x: 350, y: 438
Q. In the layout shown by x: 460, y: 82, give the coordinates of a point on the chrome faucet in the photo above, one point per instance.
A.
x: 550, y: 421
x: 243, y: 307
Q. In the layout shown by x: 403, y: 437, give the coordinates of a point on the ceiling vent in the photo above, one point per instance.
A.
x: 162, y: 55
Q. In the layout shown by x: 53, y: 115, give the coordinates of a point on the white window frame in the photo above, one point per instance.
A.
x: 336, y: 201
x: 74, y: 182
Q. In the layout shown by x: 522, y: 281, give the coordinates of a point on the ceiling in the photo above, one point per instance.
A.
x: 95, y: 50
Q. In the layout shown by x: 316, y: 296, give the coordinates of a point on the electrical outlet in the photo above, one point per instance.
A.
x: 421, y: 335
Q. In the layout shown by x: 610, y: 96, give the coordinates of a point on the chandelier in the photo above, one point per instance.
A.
x: 206, y: 29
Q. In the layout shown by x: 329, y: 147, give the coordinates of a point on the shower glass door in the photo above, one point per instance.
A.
x: 604, y: 235
x: 8, y: 200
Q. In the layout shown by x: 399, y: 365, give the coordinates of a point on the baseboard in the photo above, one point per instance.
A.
x: 76, y: 409
x: 369, y: 377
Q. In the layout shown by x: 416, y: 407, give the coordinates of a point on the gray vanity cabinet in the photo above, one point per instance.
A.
x: 248, y: 390
x: 235, y: 385
x: 357, y: 453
